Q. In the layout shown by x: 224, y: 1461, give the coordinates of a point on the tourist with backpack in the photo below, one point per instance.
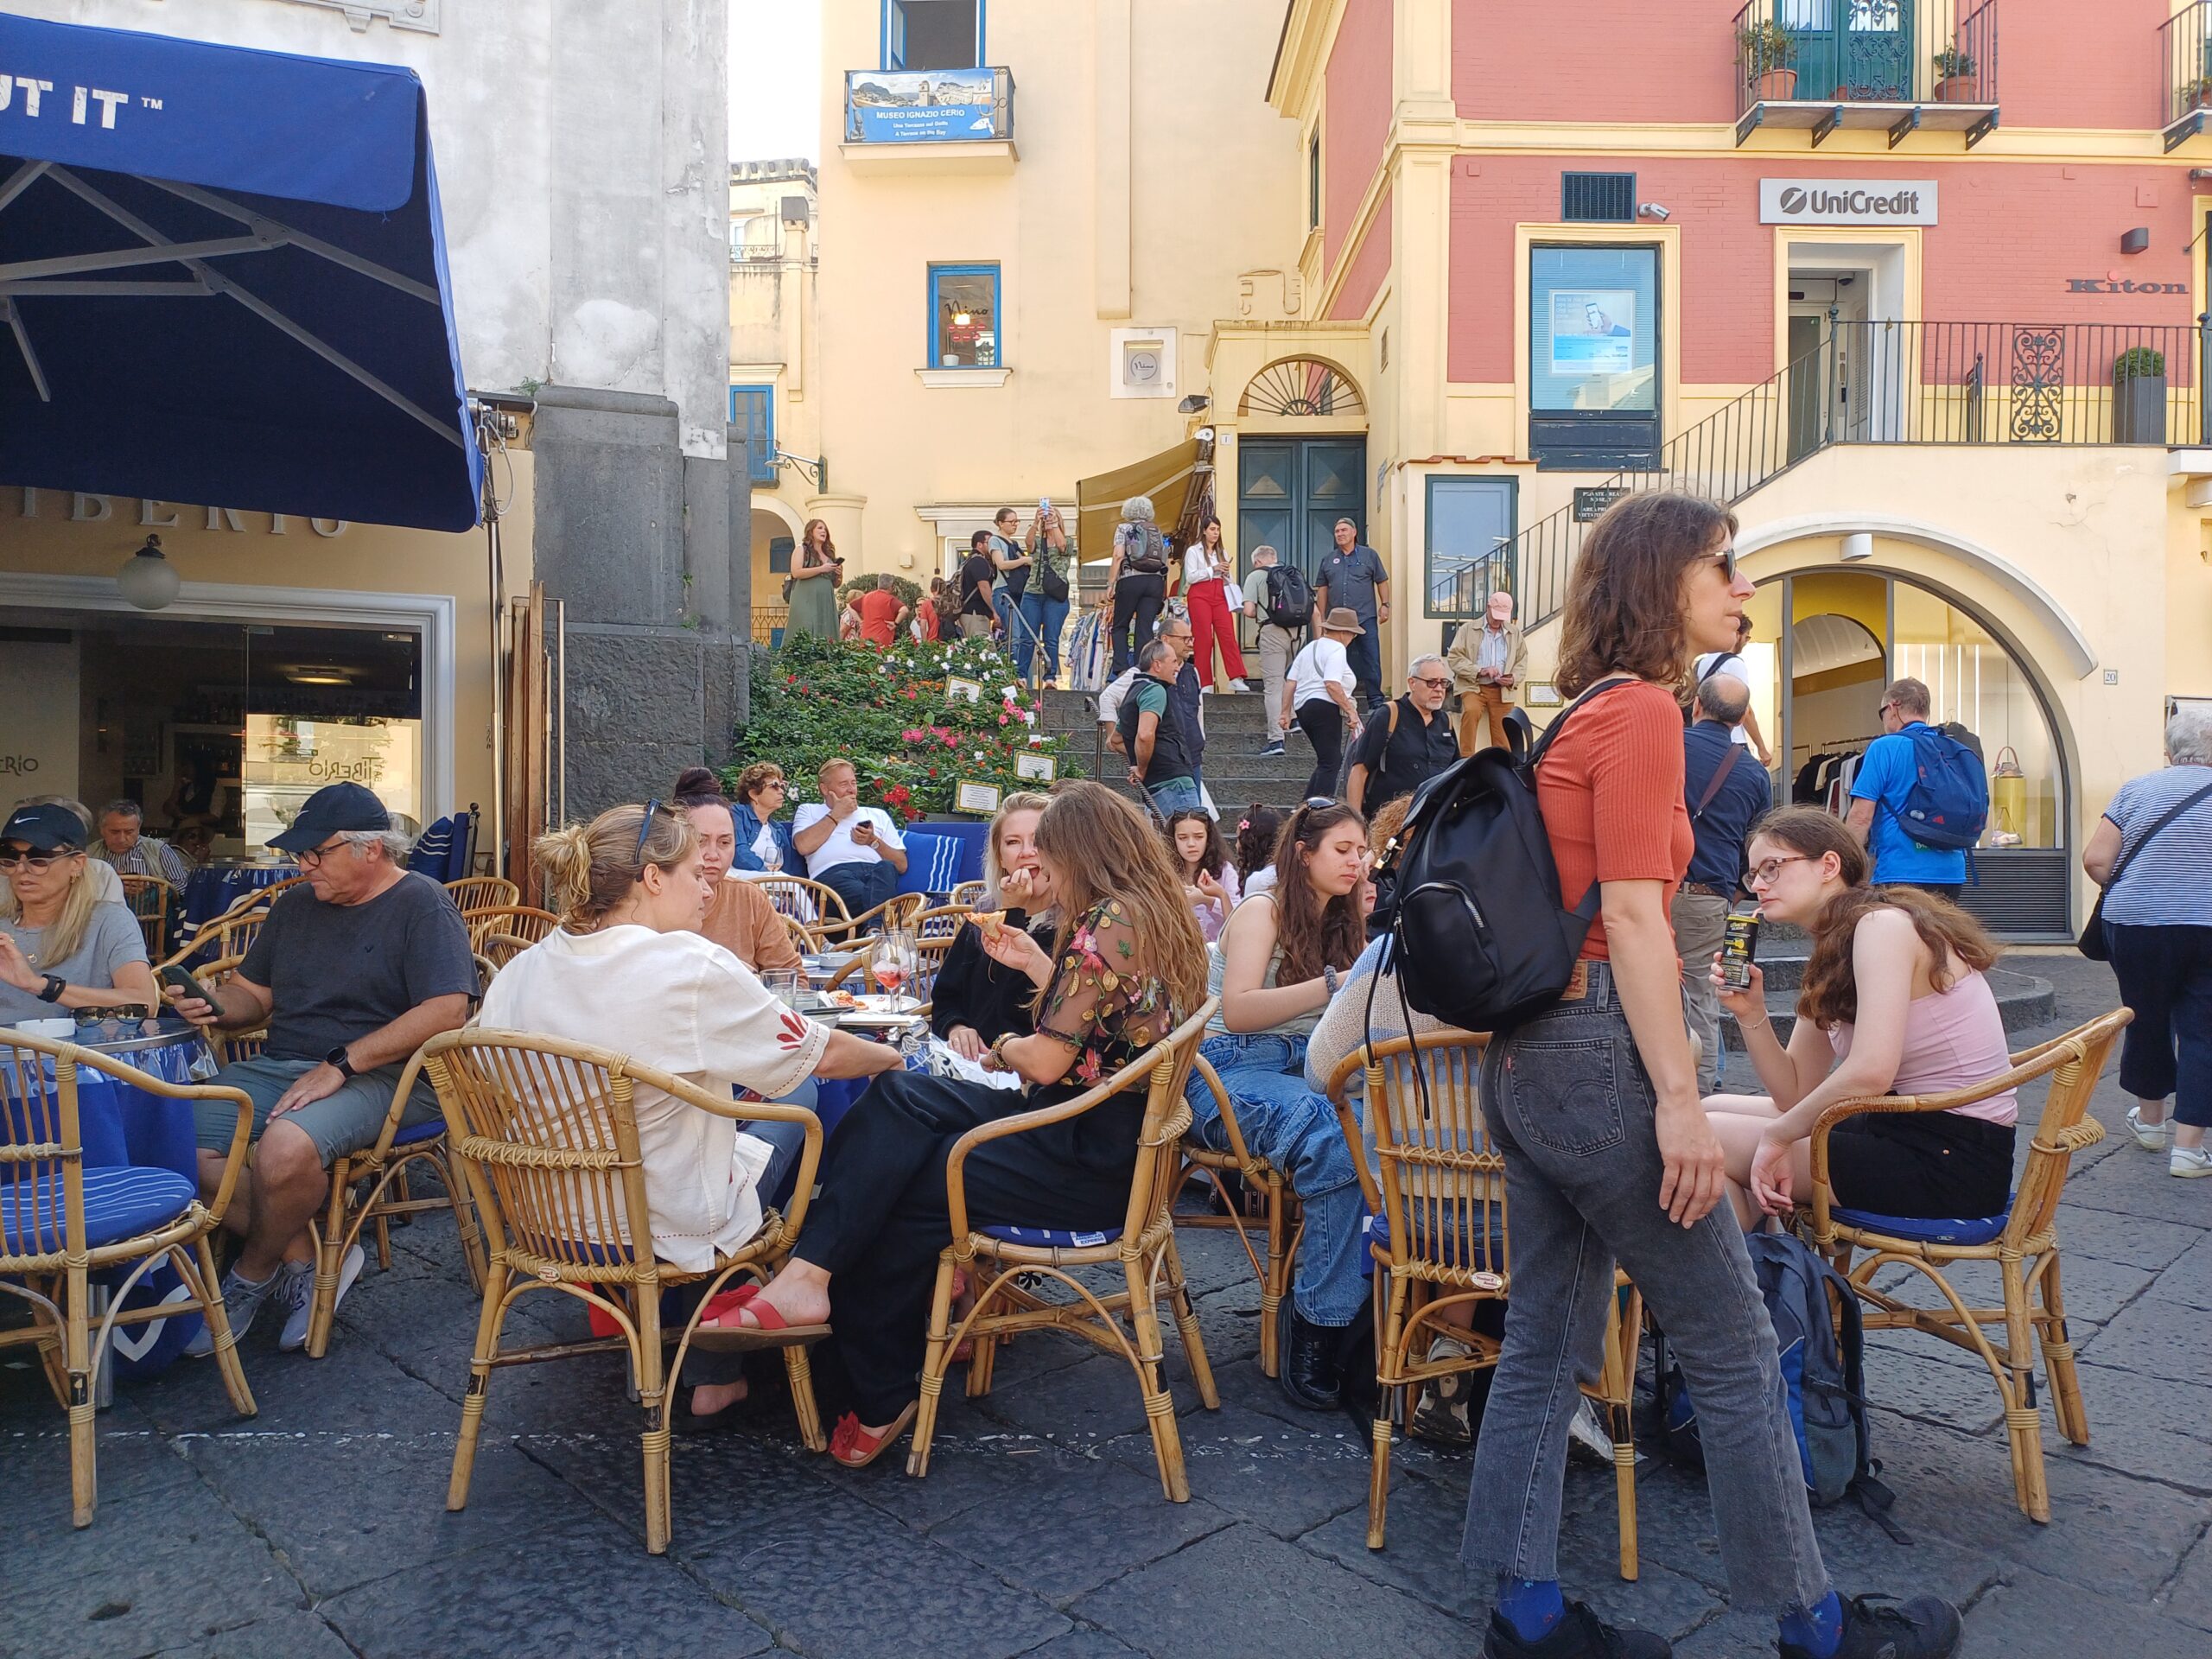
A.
x: 1591, y: 1093
x: 1136, y: 579
x: 1893, y: 1001
x: 1277, y: 596
x: 1919, y: 799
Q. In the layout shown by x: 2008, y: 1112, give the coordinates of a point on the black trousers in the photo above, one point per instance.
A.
x: 1137, y: 600
x: 882, y: 1218
x: 2166, y: 975
x: 1323, y: 722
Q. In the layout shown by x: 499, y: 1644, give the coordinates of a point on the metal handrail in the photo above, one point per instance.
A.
x: 2185, y: 64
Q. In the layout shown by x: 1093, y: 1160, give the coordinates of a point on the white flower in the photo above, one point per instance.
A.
x: 979, y: 755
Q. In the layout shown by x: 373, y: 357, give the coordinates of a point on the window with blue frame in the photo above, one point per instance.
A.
x: 932, y: 34
x: 1472, y: 523
x: 752, y: 430
x: 964, y: 317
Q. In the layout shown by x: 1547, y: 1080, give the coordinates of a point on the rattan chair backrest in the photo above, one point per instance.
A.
x: 41, y: 1142
x: 1158, y: 1175
x: 2073, y: 1063
x: 478, y: 892
x: 526, y: 922
x: 944, y: 921
x: 148, y: 897
x: 965, y: 892
x: 1442, y: 1181
x: 814, y: 903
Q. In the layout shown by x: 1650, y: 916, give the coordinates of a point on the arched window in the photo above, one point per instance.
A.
x: 1303, y: 386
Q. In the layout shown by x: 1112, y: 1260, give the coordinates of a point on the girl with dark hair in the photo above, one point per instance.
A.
x: 816, y: 573
x: 1279, y: 964
x: 1609, y: 1155
x: 1257, y: 831
x: 1206, y: 565
x: 1893, y: 1002
x: 1209, y: 879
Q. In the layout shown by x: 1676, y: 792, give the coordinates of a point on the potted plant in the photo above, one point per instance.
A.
x: 2138, y: 396
x: 1766, y: 51
x: 1954, y: 77
x: 2196, y: 94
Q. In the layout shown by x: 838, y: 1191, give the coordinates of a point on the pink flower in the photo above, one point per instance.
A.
x: 1002, y: 720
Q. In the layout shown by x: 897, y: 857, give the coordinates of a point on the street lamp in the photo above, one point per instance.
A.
x: 148, y: 580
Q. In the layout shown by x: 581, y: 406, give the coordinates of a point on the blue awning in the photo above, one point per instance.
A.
x: 223, y: 282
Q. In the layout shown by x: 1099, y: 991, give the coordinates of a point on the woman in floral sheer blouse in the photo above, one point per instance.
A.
x: 1126, y: 967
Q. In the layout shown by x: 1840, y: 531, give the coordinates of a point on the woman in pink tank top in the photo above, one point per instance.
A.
x: 1893, y: 1002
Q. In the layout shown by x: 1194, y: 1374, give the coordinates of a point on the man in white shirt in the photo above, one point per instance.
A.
x: 1730, y: 662
x: 852, y: 848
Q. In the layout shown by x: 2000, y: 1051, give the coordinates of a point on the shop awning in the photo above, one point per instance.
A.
x: 1176, y: 480
x: 223, y: 282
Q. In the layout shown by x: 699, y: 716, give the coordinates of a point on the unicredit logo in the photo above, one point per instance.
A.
x: 1793, y: 200
x: 1857, y: 203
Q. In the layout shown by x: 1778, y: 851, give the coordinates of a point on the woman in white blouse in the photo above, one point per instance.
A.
x: 626, y: 971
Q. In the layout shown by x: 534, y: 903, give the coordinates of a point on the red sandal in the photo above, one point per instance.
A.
x: 856, y: 1448
x: 769, y: 1329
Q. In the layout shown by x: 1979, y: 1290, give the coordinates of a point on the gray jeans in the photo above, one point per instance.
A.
x: 1700, y: 920
x: 1277, y: 646
x: 1568, y: 1100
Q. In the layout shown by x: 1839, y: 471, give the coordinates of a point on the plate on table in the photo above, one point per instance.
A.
x: 880, y: 1013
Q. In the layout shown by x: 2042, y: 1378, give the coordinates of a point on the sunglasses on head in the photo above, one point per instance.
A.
x: 645, y: 830
x: 1317, y: 802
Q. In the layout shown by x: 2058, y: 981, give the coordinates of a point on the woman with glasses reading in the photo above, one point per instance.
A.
x: 1893, y: 1002
x: 1609, y: 1155
x: 59, y: 948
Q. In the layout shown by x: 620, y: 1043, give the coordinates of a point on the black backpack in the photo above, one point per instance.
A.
x: 1290, y: 597
x: 1484, y: 940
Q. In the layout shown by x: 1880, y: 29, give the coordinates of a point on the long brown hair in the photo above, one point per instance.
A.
x: 1100, y: 847
x: 1213, y: 857
x: 807, y: 540
x: 1310, y: 934
x: 590, y: 869
x: 1828, y: 995
x: 1624, y: 610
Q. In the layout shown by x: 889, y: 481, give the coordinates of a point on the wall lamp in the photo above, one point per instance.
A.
x: 1196, y: 403
x: 2136, y: 240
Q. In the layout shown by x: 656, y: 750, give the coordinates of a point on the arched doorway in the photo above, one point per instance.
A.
x: 1294, y: 481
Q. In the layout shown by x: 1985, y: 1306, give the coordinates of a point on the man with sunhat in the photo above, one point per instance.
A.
x: 356, y: 967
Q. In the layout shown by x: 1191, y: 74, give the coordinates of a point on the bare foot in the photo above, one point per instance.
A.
x: 709, y: 1399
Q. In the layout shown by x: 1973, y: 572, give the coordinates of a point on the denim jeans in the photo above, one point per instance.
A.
x: 1296, y: 1130
x: 1042, y: 619
x: 1173, y: 795
x: 1003, y: 602
x: 1570, y: 1105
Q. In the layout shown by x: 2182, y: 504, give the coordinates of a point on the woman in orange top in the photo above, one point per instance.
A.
x: 1609, y: 1156
x: 739, y: 917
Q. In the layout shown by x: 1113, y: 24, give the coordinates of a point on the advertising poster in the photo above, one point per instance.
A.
x: 1593, y: 331
x: 920, y: 106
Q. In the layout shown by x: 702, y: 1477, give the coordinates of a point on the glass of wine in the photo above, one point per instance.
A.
x: 892, y: 964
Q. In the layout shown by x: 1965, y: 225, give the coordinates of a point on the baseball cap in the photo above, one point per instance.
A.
x: 332, y: 807
x: 48, y: 828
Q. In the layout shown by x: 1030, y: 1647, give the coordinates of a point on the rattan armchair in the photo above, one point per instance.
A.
x: 945, y: 920
x: 502, y: 932
x: 969, y: 893
x: 1441, y: 1241
x: 1001, y: 1272
x: 1266, y: 1189
x: 899, y: 910
x: 152, y: 901
x: 61, y: 1223
x: 482, y: 891
x: 2024, y: 1242
x: 816, y: 904
x: 546, y: 1135
x: 230, y: 934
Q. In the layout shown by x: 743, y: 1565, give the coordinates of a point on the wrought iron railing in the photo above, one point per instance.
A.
x: 928, y: 106
x: 2185, y: 61
x: 1867, y: 50
x: 1921, y: 383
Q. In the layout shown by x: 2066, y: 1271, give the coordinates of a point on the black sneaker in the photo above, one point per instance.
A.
x: 1927, y: 1627
x: 1580, y: 1634
x: 1309, y: 1368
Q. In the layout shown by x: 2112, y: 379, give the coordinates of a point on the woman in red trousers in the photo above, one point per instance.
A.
x: 1206, y: 566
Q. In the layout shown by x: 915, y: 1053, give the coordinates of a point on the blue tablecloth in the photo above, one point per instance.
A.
x: 210, y: 891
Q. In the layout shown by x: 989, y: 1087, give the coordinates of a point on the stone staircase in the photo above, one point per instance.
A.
x: 1235, y: 771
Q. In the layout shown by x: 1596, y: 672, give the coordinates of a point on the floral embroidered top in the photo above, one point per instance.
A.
x: 1099, y: 1004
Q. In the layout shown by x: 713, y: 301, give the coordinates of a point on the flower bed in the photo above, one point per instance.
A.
x: 887, y: 711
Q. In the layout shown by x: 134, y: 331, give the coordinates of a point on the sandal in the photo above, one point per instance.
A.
x: 856, y: 1448
x: 768, y: 1331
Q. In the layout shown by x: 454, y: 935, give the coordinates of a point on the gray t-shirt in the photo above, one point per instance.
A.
x: 112, y: 938
x: 336, y: 972
x: 1351, y: 579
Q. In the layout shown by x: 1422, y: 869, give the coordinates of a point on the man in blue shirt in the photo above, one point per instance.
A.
x: 1726, y: 793
x: 1885, y: 778
x: 1355, y: 577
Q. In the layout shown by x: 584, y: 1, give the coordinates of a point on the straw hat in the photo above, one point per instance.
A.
x: 1341, y: 618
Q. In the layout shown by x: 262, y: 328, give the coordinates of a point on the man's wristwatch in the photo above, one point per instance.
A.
x: 337, y: 1058
x: 51, y: 992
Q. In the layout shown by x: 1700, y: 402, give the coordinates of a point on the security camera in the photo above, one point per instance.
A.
x: 1654, y: 210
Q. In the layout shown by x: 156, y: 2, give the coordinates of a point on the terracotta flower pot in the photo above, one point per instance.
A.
x: 1958, y: 89
x: 1775, y: 86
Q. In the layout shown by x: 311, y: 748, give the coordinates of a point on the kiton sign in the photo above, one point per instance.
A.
x: 1846, y: 202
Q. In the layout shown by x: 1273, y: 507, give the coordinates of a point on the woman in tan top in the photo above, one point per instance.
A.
x: 739, y: 917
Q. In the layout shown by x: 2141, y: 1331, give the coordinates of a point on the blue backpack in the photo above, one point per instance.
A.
x: 1948, y: 806
x: 1822, y: 1378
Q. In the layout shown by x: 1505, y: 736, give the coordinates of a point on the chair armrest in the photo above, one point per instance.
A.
x: 1348, y: 1120
x: 241, y: 1133
x: 1203, y: 1069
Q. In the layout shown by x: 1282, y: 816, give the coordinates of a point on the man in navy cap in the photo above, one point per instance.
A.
x: 356, y: 967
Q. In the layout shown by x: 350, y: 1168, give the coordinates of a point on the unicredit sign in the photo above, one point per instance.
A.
x: 1846, y: 202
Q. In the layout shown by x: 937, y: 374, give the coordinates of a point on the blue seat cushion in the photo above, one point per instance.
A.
x: 932, y: 863
x: 1051, y: 1238
x: 411, y: 1134
x: 121, y: 1202
x: 1926, y: 1230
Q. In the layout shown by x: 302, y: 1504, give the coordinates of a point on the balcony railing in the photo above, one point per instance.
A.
x: 1923, y: 382
x: 928, y: 106
x: 1899, y: 65
x: 2185, y: 60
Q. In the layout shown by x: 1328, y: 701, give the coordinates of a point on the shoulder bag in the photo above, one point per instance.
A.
x: 2092, y: 943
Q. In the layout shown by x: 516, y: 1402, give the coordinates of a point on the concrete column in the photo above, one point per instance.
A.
x: 1114, y: 200
x: 844, y: 515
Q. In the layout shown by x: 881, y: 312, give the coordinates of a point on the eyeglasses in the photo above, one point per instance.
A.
x: 772, y: 783
x: 313, y: 856
x: 1725, y: 558
x: 645, y: 830
x: 1765, y: 875
x: 10, y: 858
x: 1444, y: 684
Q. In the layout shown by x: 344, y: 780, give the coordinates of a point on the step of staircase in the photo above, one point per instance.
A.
x: 2022, y: 999
x: 1236, y: 773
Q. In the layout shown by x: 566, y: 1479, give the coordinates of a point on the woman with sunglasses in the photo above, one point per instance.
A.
x: 1893, y: 1002
x: 1609, y: 1155
x: 59, y: 948
x: 764, y: 840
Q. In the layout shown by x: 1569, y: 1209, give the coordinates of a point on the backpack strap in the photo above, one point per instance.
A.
x: 2119, y: 868
x: 1719, y: 777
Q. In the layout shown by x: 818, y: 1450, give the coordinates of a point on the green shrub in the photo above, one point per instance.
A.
x: 2138, y: 363
x: 886, y: 712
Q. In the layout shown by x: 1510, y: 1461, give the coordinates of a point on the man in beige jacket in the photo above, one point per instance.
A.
x: 1488, y: 660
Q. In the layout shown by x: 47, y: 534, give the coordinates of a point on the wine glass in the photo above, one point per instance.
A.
x: 893, y: 964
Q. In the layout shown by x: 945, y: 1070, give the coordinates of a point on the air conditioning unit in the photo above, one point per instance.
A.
x: 1141, y: 363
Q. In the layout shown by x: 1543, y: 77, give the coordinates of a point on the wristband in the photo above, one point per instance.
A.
x: 1329, y: 979
x: 54, y: 987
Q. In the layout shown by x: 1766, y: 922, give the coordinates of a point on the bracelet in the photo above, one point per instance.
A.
x: 1329, y: 979
x: 998, y: 1048
x: 54, y: 986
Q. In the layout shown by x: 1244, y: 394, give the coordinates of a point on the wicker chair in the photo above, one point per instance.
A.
x: 1265, y: 1186
x: 805, y: 940
x: 944, y: 921
x: 969, y: 893
x: 371, y: 1185
x: 60, y: 1222
x: 502, y: 932
x: 1441, y: 1241
x: 818, y: 905
x: 230, y: 934
x: 1000, y: 1271
x: 153, y: 901
x: 481, y: 891
x: 2024, y: 1242
x: 898, y: 911
x: 547, y: 1137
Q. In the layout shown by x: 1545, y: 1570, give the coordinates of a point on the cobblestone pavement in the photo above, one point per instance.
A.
x: 318, y: 1529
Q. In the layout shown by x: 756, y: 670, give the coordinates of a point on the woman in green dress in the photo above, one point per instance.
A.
x: 815, y: 572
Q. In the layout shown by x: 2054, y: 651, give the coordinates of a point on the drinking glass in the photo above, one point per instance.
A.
x: 787, y: 985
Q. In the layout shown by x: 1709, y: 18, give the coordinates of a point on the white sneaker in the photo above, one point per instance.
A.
x: 298, y: 1293
x: 1586, y: 1435
x: 2189, y: 1162
x: 2151, y: 1137
x: 1238, y: 685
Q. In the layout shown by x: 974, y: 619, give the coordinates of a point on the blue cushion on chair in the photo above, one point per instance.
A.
x: 433, y: 850
x: 932, y: 863
x: 1378, y: 1235
x: 120, y: 1201
x: 1926, y: 1230
x: 411, y: 1134
x: 1051, y: 1238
